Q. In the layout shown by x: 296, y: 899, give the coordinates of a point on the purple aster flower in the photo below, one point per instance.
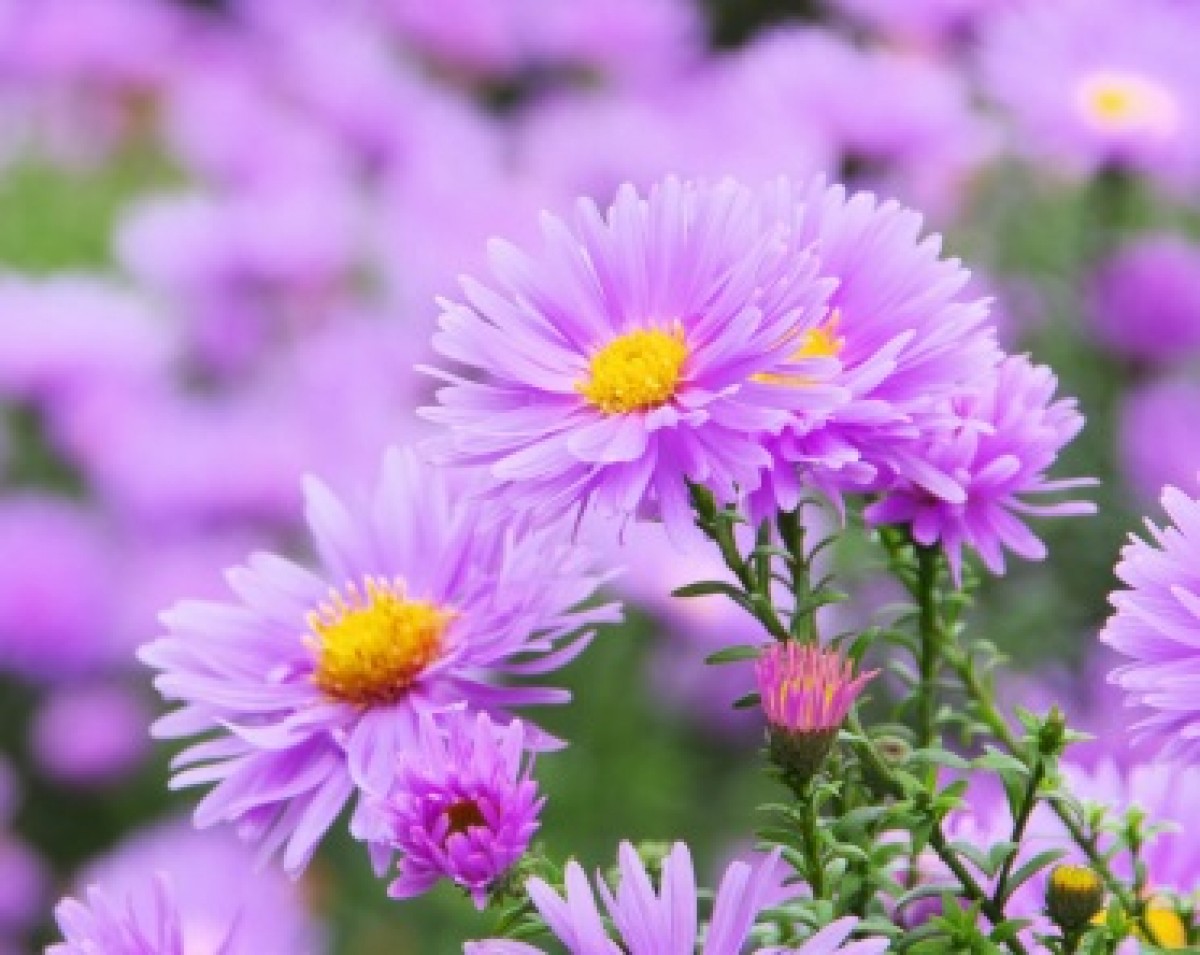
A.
x: 906, y: 121
x: 1156, y: 627
x: 49, y: 631
x: 103, y: 925
x: 1144, y: 302
x: 665, y: 922
x: 316, y: 680
x: 1111, y: 86
x: 90, y: 734
x: 25, y: 879
x: 903, y: 335
x: 1010, y: 432
x: 464, y: 806
x: 1158, y: 439
x: 635, y: 353
x: 257, y: 908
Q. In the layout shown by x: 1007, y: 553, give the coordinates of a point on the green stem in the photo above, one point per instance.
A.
x: 791, y: 532
x: 1000, y: 729
x: 812, y: 844
x: 1020, y: 824
x: 881, y: 771
x: 929, y: 627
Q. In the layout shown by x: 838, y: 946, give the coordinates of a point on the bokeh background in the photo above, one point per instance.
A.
x: 223, y: 226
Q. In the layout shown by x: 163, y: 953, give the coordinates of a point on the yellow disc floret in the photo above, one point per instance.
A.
x: 1122, y: 102
x: 820, y: 342
x: 373, y: 645
x: 638, y: 371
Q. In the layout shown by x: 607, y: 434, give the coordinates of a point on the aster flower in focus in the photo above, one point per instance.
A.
x: 636, y: 353
x: 1156, y: 626
x: 905, y: 338
x: 1115, y: 84
x: 1009, y: 434
x: 806, y: 692
x: 464, y: 806
x: 316, y: 681
x: 665, y: 922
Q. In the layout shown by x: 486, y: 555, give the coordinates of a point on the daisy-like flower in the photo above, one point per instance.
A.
x: 636, y: 352
x: 905, y: 336
x: 103, y: 926
x: 665, y: 922
x: 1114, y: 84
x: 464, y: 806
x: 1009, y: 434
x: 806, y: 692
x: 1156, y: 625
x: 314, y: 681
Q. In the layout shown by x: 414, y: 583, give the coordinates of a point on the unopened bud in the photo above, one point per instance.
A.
x: 1074, y: 896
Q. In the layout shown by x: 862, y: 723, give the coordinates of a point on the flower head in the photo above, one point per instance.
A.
x: 1010, y: 432
x: 1112, y: 86
x: 464, y: 806
x: 315, y: 681
x: 665, y: 922
x: 635, y: 353
x: 904, y: 336
x: 807, y: 689
x: 806, y: 692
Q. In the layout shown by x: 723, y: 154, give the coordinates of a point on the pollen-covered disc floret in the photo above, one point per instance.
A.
x: 637, y: 371
x: 463, y: 808
x: 314, y: 681
x: 628, y: 354
x: 373, y: 642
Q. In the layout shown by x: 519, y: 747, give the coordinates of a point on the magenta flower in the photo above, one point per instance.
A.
x: 904, y: 335
x: 1010, y: 432
x: 315, y: 681
x: 105, y: 926
x: 1111, y: 85
x: 807, y: 689
x: 464, y: 806
x: 1156, y: 625
x: 636, y: 352
x: 665, y: 922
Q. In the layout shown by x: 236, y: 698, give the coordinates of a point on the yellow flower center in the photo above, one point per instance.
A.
x: 820, y: 342
x: 1117, y: 101
x: 1074, y: 878
x: 638, y: 371
x: 1166, y: 927
x: 374, y: 645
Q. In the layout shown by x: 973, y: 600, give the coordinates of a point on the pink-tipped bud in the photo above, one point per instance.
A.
x: 806, y: 693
